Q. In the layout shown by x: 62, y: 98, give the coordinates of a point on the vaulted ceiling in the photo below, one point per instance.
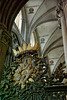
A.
x: 42, y: 20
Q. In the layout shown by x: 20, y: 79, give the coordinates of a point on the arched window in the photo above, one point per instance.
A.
x: 18, y: 20
x: 32, y: 40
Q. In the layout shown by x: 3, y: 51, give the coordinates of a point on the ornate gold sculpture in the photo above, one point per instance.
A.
x: 26, y: 71
x: 26, y: 48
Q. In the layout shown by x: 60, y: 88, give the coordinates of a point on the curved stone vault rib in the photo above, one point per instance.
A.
x: 12, y: 8
x: 35, y: 4
x: 56, y: 35
x: 54, y: 55
x: 55, y: 48
x: 44, y: 8
x: 19, y: 36
x: 46, y: 17
x: 54, y: 43
x: 61, y: 59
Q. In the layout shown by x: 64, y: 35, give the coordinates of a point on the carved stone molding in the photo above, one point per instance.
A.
x: 5, y: 36
x: 64, y: 3
x: 59, y: 13
x: 5, y: 42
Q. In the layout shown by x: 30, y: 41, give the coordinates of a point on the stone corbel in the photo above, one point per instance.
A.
x: 60, y: 8
x: 59, y: 14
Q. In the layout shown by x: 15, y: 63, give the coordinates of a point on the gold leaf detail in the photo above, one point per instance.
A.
x: 24, y: 46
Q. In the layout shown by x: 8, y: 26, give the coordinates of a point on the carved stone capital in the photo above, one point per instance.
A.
x: 59, y: 12
x: 60, y: 9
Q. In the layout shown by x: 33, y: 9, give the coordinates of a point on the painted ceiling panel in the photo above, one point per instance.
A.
x: 46, y: 28
x: 44, y: 32
x: 56, y: 53
x: 31, y: 8
x: 61, y: 60
x: 58, y: 43
x: 56, y: 35
x: 54, y: 56
x: 47, y: 17
x: 44, y: 8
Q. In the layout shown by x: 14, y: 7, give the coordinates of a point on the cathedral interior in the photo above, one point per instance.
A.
x: 33, y: 49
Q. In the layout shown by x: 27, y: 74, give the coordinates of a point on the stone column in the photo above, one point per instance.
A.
x: 64, y: 34
x: 61, y: 15
x: 5, y: 41
x: 65, y: 11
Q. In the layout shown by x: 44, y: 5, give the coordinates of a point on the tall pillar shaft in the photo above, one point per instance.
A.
x: 5, y: 41
x: 64, y: 34
x: 62, y: 15
x: 65, y: 12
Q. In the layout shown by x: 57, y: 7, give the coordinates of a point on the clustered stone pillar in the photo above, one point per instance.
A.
x: 61, y: 15
x: 5, y: 41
